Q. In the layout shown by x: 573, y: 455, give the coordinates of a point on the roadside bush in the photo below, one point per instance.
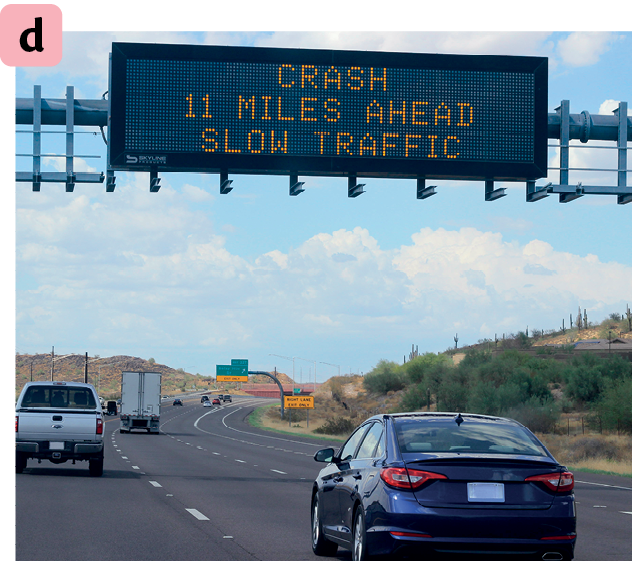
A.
x: 474, y: 359
x: 452, y: 394
x: 415, y: 399
x: 615, y: 406
x: 584, y: 383
x: 536, y: 415
x: 336, y: 426
x: 387, y: 376
x: 417, y: 368
x: 594, y: 447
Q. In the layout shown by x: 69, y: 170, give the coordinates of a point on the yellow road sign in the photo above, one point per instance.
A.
x: 298, y: 401
x: 232, y: 378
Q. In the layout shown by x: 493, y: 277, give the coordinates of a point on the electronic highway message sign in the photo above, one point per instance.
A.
x: 324, y: 112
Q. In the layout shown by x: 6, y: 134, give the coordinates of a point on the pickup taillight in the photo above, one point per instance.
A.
x: 16, y: 423
x: 99, y: 425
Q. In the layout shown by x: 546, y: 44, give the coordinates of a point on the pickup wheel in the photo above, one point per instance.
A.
x: 96, y: 467
x: 20, y: 462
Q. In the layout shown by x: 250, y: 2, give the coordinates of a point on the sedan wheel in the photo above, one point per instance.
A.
x: 320, y: 544
x: 359, y: 553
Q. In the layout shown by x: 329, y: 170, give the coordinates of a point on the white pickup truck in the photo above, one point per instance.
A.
x: 59, y: 421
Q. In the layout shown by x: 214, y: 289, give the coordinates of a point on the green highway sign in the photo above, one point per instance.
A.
x: 236, y: 371
x: 240, y: 363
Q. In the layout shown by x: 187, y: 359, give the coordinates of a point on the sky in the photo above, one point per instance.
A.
x: 318, y: 283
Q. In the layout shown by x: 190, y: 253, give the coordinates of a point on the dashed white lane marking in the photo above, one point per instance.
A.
x: 155, y: 483
x: 277, y: 471
x: 124, y: 457
x: 196, y: 513
x: 599, y: 506
x: 240, y: 461
x: 135, y: 467
x: 624, y: 512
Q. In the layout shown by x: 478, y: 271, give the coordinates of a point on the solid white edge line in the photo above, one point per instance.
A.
x: 604, y: 485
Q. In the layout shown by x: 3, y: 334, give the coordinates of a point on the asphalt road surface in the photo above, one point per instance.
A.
x: 210, y: 485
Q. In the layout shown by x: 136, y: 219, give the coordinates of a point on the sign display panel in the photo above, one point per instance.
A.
x: 298, y: 402
x: 323, y: 112
x: 236, y: 371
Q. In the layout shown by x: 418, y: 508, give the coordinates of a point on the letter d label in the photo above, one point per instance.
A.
x: 37, y: 33
x: 30, y: 35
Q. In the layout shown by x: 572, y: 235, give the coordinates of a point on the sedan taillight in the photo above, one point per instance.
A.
x: 556, y: 482
x: 402, y: 478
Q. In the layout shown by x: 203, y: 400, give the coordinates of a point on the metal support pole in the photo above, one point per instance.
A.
x: 622, y: 150
x: 37, y: 137
x: 260, y: 373
x: 70, y: 136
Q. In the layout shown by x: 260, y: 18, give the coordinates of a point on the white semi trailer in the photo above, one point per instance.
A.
x: 140, y: 401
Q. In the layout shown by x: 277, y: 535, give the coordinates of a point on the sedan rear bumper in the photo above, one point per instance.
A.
x: 384, y: 543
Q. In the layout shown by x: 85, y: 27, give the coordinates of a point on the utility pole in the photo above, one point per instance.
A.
x: 52, y: 363
x: 85, y: 376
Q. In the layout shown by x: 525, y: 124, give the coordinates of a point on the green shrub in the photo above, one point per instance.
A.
x: 415, y: 399
x: 336, y: 426
x: 417, y: 368
x: 536, y: 415
x: 385, y: 377
x: 615, y: 406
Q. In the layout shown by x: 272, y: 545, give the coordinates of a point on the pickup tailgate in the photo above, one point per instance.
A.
x: 57, y: 426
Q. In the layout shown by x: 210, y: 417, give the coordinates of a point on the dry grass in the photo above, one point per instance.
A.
x: 594, y: 452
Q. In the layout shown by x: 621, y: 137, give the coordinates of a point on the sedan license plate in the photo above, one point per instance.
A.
x: 486, y: 492
x: 55, y: 445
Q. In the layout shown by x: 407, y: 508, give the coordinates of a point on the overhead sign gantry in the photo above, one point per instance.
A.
x: 245, y: 110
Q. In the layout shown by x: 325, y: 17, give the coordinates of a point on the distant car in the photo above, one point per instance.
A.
x: 220, y: 396
x: 112, y: 408
x: 227, y: 397
x: 207, y: 403
x: 177, y: 401
x: 422, y: 484
x: 165, y: 397
x: 216, y: 401
x: 204, y: 398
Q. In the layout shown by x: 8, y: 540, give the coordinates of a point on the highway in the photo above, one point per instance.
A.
x: 212, y: 485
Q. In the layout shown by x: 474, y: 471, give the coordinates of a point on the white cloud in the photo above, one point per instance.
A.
x: 196, y: 194
x: 178, y: 281
x: 584, y: 48
x: 449, y: 42
x: 608, y: 106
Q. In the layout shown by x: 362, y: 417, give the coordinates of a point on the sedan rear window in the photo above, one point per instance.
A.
x: 472, y: 436
x: 58, y: 397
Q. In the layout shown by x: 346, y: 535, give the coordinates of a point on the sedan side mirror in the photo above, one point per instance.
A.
x: 326, y: 455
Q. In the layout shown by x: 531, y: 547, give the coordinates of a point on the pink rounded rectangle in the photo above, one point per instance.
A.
x: 30, y: 35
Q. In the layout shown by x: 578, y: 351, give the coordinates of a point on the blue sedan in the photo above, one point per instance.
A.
x: 440, y: 485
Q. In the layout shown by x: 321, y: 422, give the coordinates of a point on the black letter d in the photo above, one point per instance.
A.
x: 38, y: 37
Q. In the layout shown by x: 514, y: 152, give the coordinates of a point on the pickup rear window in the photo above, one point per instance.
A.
x: 58, y: 397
